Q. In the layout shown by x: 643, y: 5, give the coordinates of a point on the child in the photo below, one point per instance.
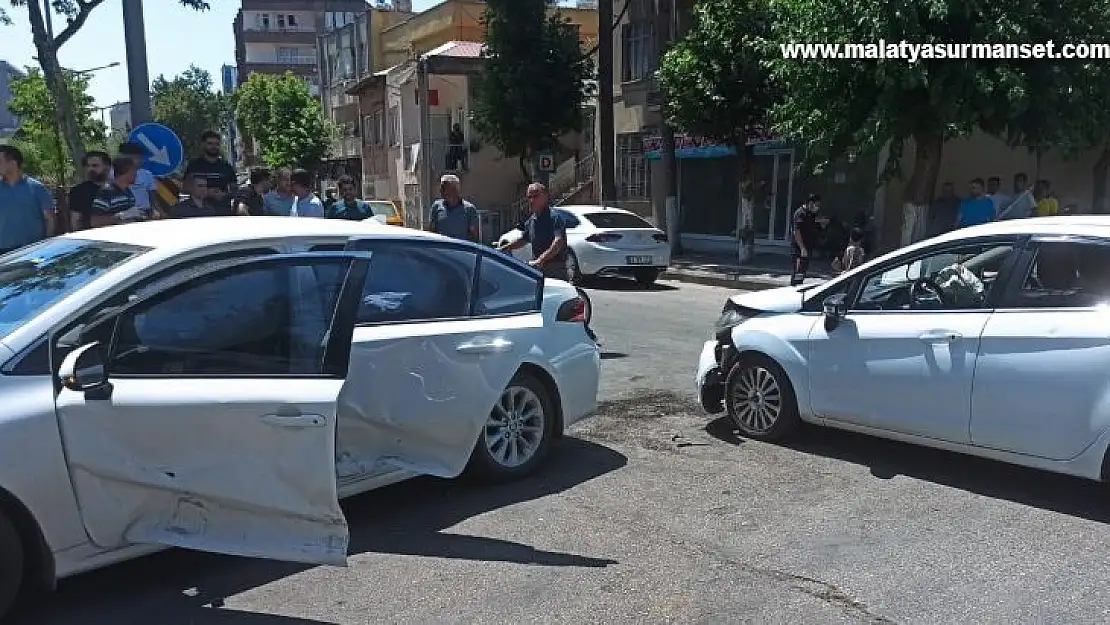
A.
x: 853, y: 254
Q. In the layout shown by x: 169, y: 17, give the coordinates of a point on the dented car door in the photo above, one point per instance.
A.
x: 216, y: 430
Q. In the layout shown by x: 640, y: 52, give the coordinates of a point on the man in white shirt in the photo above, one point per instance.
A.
x: 305, y: 202
x: 144, y: 186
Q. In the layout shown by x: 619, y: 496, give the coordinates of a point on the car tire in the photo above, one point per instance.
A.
x: 523, y: 405
x: 574, y: 270
x: 11, y: 564
x: 647, y: 277
x: 760, y: 399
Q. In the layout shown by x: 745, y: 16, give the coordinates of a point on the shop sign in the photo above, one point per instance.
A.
x: 688, y: 146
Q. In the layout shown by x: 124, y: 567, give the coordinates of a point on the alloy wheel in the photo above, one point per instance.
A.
x: 757, y: 400
x: 515, y: 429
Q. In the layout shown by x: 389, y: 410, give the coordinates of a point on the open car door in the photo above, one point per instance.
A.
x: 205, y: 417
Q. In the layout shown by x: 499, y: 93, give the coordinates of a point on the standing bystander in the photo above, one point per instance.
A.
x: 82, y: 194
x: 804, y: 235
x: 199, y: 202
x: 1047, y: 204
x: 452, y: 216
x: 115, y: 202
x: 977, y: 208
x: 214, y: 168
x: 305, y: 202
x: 546, y: 230
x: 27, y: 213
x: 250, y: 199
x: 279, y: 201
x: 348, y: 206
x: 144, y: 188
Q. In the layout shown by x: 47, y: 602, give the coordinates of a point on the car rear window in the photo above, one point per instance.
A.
x: 613, y: 219
x: 382, y: 208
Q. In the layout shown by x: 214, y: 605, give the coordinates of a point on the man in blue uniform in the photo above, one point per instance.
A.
x: 546, y: 230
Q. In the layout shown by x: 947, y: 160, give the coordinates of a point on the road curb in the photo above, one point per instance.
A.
x: 740, y: 283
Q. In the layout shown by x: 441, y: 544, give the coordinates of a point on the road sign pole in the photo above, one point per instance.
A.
x: 138, y: 76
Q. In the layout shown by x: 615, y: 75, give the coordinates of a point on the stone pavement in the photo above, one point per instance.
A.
x: 765, y: 271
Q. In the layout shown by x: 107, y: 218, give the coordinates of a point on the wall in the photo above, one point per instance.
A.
x: 8, y: 72
x: 306, y: 21
x: 267, y: 53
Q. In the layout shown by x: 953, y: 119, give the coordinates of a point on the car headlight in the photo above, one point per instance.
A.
x: 731, y: 317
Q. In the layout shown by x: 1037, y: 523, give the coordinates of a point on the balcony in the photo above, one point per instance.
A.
x: 274, y: 34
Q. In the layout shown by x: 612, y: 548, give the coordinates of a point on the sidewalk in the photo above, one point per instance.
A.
x: 765, y: 271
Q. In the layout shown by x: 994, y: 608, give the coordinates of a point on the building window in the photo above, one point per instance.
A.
x: 633, y: 174
x: 262, y: 20
x: 373, y: 129
x: 291, y: 20
x: 394, y: 125
x: 637, y: 51
x: 281, y: 20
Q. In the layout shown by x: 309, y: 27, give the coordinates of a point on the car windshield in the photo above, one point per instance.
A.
x: 36, y: 277
x: 613, y: 219
x: 382, y: 208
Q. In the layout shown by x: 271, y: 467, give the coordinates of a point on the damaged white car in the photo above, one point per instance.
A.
x: 220, y: 384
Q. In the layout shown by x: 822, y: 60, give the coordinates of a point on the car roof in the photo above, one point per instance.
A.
x: 583, y: 209
x: 1096, y: 225
x: 199, y: 232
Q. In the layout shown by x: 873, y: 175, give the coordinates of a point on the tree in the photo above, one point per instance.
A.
x: 285, y: 120
x: 34, y: 104
x: 717, y: 85
x: 76, y: 13
x: 836, y: 107
x: 189, y: 105
x: 532, y: 88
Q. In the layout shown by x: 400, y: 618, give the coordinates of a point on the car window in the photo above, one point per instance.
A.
x: 381, y: 208
x: 1065, y: 274
x: 613, y: 219
x: 958, y: 278
x: 34, y: 278
x: 268, y: 319
x: 417, y: 282
x: 503, y: 290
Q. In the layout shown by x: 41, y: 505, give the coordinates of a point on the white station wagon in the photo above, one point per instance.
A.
x: 992, y: 341
x: 219, y: 384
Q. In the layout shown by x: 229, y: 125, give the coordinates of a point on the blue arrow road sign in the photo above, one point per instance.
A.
x: 164, y: 152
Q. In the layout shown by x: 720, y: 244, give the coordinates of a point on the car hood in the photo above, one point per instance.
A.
x: 785, y: 299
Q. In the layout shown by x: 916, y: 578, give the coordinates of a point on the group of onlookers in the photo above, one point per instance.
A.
x: 987, y: 201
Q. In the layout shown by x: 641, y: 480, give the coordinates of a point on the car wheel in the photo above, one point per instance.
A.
x: 518, y: 432
x: 11, y: 564
x: 760, y: 399
x: 647, y: 277
x: 574, y: 271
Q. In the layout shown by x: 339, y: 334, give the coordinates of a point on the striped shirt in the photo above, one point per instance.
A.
x: 112, y: 200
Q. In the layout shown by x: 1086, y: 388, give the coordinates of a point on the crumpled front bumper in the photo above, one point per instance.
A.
x: 710, y: 380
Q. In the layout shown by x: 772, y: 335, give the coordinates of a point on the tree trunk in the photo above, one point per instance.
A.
x: 64, y: 114
x: 745, y: 230
x: 928, y: 149
x: 1098, y: 190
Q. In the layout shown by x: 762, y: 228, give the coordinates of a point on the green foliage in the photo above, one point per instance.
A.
x: 34, y: 104
x: 285, y: 120
x: 716, y: 80
x: 532, y: 88
x: 189, y: 105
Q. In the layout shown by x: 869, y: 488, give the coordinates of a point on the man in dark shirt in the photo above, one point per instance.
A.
x: 249, y: 199
x: 348, y: 206
x: 452, y: 216
x: 216, y: 171
x: 199, y: 203
x: 944, y: 212
x: 81, y: 195
x: 804, y: 236
x: 546, y: 230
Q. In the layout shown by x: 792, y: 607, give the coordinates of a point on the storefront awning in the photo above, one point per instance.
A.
x: 689, y: 146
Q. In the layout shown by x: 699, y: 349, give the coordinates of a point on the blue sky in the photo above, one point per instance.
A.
x: 176, y: 37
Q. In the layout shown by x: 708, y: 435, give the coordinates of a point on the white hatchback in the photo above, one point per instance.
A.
x: 608, y: 242
x: 992, y: 341
x: 219, y: 384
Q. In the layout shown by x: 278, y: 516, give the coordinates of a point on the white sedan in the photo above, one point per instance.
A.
x: 220, y: 384
x: 992, y: 341
x: 608, y: 242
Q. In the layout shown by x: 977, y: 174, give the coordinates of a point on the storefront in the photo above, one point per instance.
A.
x: 709, y: 191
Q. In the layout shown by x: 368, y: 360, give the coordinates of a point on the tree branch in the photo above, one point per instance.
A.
x: 612, y: 28
x: 84, y: 7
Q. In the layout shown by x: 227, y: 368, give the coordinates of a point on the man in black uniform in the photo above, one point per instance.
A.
x: 804, y: 236
x: 216, y: 171
x: 546, y: 230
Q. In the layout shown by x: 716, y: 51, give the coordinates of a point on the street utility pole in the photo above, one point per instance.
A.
x: 670, y: 217
x: 138, y: 76
x: 606, y: 140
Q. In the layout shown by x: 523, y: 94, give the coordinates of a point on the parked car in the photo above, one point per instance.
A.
x: 220, y: 384
x: 386, y: 212
x: 608, y: 242
x: 991, y: 341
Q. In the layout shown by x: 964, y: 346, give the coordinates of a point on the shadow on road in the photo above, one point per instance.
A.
x: 175, y: 587
x: 888, y: 459
x: 626, y: 284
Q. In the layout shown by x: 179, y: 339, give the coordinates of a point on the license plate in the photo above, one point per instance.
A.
x: 638, y: 260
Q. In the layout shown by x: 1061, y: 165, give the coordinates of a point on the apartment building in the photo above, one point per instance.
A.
x: 347, y: 54
x: 8, y: 122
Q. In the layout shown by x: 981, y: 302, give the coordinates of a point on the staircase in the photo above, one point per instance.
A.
x: 573, y: 181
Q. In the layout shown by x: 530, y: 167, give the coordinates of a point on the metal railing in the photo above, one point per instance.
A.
x: 570, y: 176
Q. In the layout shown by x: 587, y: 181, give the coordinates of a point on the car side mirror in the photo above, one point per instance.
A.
x: 835, y: 308
x: 83, y: 370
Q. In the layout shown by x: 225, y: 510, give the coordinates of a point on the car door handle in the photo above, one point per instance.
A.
x: 485, y: 346
x: 295, y: 421
x: 941, y: 336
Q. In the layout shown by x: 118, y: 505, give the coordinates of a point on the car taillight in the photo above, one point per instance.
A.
x: 659, y: 237
x: 602, y: 237
x: 573, y: 310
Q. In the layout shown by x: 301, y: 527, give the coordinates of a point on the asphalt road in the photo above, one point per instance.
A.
x: 650, y: 515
